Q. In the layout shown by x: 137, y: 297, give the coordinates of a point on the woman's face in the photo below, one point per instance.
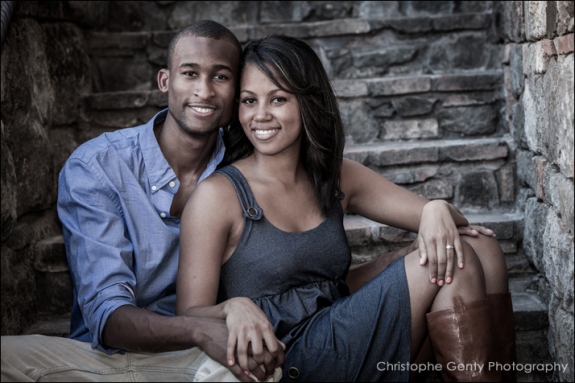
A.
x: 270, y: 117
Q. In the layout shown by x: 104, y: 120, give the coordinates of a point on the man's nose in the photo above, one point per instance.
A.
x: 204, y: 88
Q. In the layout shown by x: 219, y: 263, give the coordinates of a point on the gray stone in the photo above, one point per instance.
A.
x: 473, y: 6
x: 558, y: 260
x: 467, y: 81
x: 558, y: 94
x: 136, y: 73
x: 322, y: 10
x: 469, y: 120
x: 466, y: 51
x: 531, y: 113
x: 516, y: 67
x: 106, y: 41
x: 416, y: 8
x: 407, y: 129
x: 564, y: 16
x: 54, y: 292
x: 413, y: 106
x: 559, y: 192
x: 350, y: 88
x: 535, y: 19
x: 383, y: 110
x: 50, y: 255
x: 530, y: 312
x: 359, y: 127
x: 89, y: 14
x: 399, y: 85
x: 410, y: 175
x: 384, y: 57
x: 506, y: 182
x: 18, y: 291
x: 21, y: 236
x: 67, y: 64
x: 131, y: 16
x: 477, y: 190
x: 511, y: 20
x: 518, y: 124
x: 561, y: 343
x: 376, y: 9
x: 434, y: 189
x: 461, y: 22
x: 284, y: 11
x: 480, y: 150
x: 228, y: 13
x: 469, y: 99
x: 535, y: 219
x: 9, y: 189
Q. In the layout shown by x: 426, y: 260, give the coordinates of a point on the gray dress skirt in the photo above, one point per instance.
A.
x: 298, y: 280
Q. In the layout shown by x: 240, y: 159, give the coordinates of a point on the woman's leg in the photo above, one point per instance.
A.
x: 499, y: 299
x: 459, y: 323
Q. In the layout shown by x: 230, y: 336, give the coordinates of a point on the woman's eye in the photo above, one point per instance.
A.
x: 278, y: 100
x: 248, y: 101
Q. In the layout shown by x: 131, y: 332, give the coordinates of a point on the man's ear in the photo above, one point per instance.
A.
x: 163, y: 79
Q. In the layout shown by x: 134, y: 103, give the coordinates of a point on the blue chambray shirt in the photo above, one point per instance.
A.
x: 114, y: 198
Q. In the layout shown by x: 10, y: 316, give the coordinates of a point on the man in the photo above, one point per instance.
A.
x: 120, y: 197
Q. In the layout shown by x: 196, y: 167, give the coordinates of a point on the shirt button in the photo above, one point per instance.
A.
x: 154, y: 188
x: 163, y: 215
x: 172, y: 184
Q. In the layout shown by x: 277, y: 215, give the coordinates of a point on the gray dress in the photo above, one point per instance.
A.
x: 298, y: 280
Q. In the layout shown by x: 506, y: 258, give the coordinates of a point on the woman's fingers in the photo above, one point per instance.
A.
x: 450, y: 255
x: 231, y: 350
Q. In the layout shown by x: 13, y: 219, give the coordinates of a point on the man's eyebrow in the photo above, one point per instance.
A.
x: 215, y: 67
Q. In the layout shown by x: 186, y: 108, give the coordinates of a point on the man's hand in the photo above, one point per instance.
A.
x: 251, y: 334
x: 215, y: 343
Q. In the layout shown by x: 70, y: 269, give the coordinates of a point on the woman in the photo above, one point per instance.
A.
x: 269, y: 227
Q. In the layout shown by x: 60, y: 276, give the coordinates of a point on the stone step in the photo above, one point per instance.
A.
x: 368, y: 239
x: 473, y: 174
x: 531, y: 325
x: 394, y: 108
x: 349, y: 47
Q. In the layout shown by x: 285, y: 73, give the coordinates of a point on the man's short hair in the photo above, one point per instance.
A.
x: 203, y: 28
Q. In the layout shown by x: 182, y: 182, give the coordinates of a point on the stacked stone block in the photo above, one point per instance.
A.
x: 539, y: 87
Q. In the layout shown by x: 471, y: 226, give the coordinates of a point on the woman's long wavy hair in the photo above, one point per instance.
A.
x: 287, y: 60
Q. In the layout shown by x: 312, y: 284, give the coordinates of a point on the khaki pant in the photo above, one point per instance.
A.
x: 28, y: 358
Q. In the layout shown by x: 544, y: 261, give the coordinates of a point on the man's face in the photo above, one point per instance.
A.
x: 201, y: 83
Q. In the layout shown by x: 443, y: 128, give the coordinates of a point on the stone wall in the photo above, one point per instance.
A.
x: 539, y: 86
x: 45, y: 74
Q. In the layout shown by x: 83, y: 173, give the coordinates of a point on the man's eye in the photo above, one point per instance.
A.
x: 221, y: 77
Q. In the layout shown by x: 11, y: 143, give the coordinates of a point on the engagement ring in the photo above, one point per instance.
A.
x: 448, y: 247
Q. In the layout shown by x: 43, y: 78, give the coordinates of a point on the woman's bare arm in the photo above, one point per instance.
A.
x: 210, y: 227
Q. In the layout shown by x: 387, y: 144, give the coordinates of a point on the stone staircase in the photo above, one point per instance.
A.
x: 423, y: 104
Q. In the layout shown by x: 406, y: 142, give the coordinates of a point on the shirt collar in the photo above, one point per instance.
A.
x: 159, y: 171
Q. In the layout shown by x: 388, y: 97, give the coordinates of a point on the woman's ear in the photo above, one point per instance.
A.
x: 163, y: 79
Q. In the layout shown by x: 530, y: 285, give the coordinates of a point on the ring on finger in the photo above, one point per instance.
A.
x: 449, y: 247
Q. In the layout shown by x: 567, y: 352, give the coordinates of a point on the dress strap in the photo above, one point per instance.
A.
x: 247, y: 200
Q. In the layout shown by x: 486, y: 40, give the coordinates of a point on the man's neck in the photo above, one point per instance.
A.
x: 187, y: 155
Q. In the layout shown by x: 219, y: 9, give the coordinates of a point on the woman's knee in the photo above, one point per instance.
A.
x: 472, y: 271
x: 492, y: 261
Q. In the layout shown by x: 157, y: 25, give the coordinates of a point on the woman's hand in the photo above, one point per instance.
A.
x: 439, y: 241
x: 475, y: 230
x: 250, y: 333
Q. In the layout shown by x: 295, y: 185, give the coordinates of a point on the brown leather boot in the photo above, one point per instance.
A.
x: 503, y: 328
x: 463, y: 342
